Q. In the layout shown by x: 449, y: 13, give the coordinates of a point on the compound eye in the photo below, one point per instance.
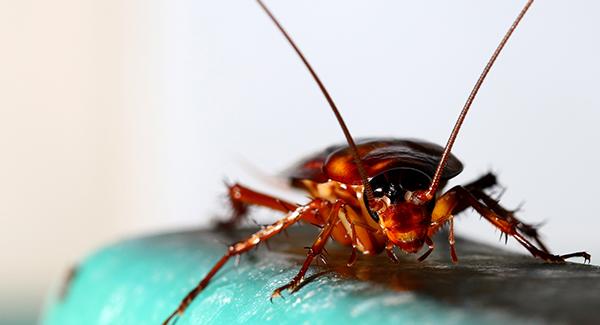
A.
x: 394, y: 183
x: 385, y: 186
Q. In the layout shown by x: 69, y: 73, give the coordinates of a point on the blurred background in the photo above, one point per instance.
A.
x: 122, y: 118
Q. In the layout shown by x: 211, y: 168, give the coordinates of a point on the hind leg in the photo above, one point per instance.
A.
x: 477, y: 189
x: 459, y: 197
x: 241, y: 198
x: 314, y: 251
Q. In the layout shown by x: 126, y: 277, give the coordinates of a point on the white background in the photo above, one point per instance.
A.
x: 123, y: 118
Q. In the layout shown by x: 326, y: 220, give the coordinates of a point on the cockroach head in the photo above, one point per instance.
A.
x: 404, y: 223
x: 394, y: 186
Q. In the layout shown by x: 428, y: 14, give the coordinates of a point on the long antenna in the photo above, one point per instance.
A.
x: 353, y: 149
x: 421, y: 197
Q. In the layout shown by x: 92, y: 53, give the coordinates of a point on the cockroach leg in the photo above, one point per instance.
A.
x: 528, y: 230
x: 241, y: 197
x: 547, y: 256
x: 447, y: 206
x: 506, y: 225
x: 246, y: 245
x: 364, y: 226
x: 313, y: 251
x: 587, y: 258
x: 389, y: 249
x: 486, y: 181
x: 430, y: 245
x: 240, y: 193
x: 352, y: 258
x: 451, y: 241
x: 239, y: 209
x: 477, y: 187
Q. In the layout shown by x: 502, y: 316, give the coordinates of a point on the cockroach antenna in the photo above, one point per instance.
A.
x: 424, y: 196
x: 336, y: 112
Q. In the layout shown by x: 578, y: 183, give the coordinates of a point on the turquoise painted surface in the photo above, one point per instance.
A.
x: 141, y: 281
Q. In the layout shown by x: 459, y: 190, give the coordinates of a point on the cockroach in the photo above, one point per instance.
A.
x: 376, y: 194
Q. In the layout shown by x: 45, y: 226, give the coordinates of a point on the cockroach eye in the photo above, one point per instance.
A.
x: 394, y: 183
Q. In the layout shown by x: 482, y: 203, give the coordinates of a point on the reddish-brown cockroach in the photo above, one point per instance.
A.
x: 379, y: 193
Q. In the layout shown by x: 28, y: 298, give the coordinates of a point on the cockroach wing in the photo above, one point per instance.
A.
x: 311, y: 167
x: 378, y: 155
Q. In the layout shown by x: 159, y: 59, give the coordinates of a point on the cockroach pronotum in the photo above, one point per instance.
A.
x: 377, y: 194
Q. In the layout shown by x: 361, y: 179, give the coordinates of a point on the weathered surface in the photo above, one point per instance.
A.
x: 141, y: 281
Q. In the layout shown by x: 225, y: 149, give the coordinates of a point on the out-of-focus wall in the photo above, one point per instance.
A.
x: 79, y: 138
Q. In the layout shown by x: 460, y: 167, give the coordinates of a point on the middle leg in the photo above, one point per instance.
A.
x: 477, y: 189
x: 460, y: 196
x: 314, y: 251
x: 242, y: 197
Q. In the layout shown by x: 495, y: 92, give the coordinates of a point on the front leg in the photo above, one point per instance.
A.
x: 314, y: 251
x: 459, y: 196
x: 477, y: 189
x: 308, y: 211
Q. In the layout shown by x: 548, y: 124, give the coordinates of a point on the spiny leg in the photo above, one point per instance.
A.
x: 355, y: 236
x: 451, y: 241
x: 241, y: 197
x: 313, y: 251
x: 446, y: 207
x: 460, y: 195
x: 300, y: 213
x: 389, y: 250
x: 477, y: 187
x: 484, y: 182
x: 430, y: 246
x: 352, y: 258
x: 527, y: 229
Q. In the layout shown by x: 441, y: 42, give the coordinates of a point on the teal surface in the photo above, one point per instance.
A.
x: 141, y: 281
